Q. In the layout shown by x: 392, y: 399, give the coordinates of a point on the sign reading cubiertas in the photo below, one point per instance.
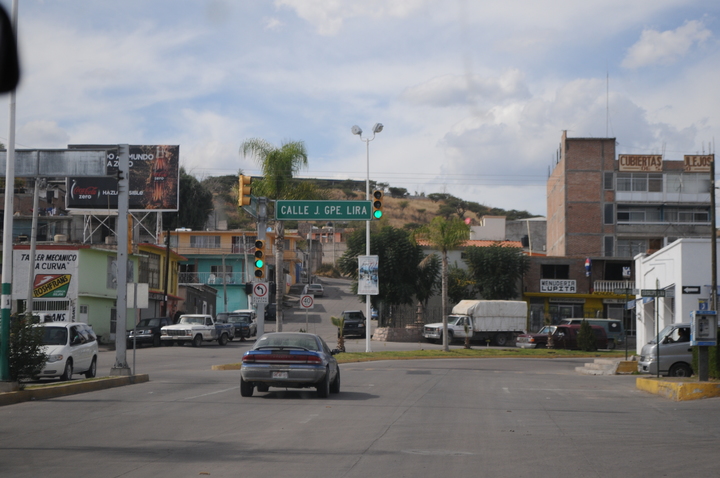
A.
x: 154, y: 181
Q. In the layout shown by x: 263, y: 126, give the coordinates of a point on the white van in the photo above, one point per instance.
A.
x: 675, y: 352
x: 71, y: 347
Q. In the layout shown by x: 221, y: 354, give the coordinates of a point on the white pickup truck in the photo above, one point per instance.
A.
x: 196, y: 329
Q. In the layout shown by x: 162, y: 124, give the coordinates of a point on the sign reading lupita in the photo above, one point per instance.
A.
x: 154, y: 181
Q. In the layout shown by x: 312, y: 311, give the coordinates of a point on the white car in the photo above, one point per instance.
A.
x: 71, y: 347
x: 315, y: 289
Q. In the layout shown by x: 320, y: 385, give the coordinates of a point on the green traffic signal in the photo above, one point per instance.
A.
x: 377, y: 214
x: 259, y: 263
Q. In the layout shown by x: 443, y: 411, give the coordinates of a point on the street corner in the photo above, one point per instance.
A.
x: 679, y: 389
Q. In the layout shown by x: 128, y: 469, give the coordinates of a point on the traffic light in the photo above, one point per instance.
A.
x: 259, y: 259
x: 244, y: 190
x: 377, y: 204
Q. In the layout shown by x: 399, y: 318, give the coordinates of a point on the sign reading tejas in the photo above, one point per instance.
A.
x: 698, y: 163
x: 154, y: 181
x: 640, y: 162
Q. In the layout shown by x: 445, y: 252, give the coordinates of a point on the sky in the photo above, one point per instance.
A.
x: 473, y: 95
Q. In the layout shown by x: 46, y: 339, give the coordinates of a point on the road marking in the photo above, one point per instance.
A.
x: 309, y: 418
x: 211, y: 393
x: 506, y: 390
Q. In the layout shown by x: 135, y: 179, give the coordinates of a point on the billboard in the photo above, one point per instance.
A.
x: 154, y: 181
x: 640, y: 162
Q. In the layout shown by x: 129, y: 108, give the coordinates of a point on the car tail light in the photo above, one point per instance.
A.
x: 282, y: 358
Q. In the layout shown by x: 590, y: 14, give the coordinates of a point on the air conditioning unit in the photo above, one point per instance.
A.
x: 60, y: 238
x: 110, y: 240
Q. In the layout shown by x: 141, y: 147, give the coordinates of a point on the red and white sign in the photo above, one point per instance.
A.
x: 307, y: 302
x: 260, y: 292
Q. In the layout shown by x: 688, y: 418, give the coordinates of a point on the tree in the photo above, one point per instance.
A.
x: 586, y: 339
x: 26, y: 356
x: 496, y: 270
x: 398, y: 192
x: 460, y: 284
x: 279, y: 165
x: 444, y: 235
x: 427, y: 280
x: 196, y: 204
x: 398, y: 258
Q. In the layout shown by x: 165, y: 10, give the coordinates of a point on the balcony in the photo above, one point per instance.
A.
x: 611, y: 285
x: 211, y: 278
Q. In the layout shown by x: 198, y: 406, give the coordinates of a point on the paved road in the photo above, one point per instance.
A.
x: 419, y: 418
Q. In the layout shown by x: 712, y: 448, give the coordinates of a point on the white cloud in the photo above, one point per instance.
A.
x: 452, y: 90
x: 328, y: 15
x: 42, y: 134
x: 665, y: 48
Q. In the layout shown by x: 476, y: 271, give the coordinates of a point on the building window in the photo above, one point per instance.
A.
x: 631, y: 247
x: 688, y: 183
x: 205, y: 242
x: 608, y: 181
x: 660, y: 215
x: 609, y: 210
x: 609, y: 246
x: 243, y: 244
x: 555, y: 271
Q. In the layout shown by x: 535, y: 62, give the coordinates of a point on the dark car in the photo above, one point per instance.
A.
x: 147, y: 331
x: 565, y: 337
x: 270, y: 311
x: 244, y: 322
x: 290, y: 360
x: 538, y: 340
x: 355, y: 323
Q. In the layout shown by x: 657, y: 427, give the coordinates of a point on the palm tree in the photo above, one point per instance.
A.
x: 444, y: 235
x: 339, y: 322
x: 278, y: 165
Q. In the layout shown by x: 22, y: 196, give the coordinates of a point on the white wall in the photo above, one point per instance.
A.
x: 685, y: 262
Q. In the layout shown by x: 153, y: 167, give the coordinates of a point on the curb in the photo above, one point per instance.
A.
x: 679, y: 390
x: 55, y: 391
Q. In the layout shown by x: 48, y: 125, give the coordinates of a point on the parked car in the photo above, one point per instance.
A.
x: 613, y: 329
x: 316, y: 290
x: 244, y: 322
x: 565, y: 337
x: 270, y: 311
x: 537, y: 340
x: 147, y: 331
x: 290, y: 360
x: 675, y: 352
x: 355, y: 323
x: 71, y: 347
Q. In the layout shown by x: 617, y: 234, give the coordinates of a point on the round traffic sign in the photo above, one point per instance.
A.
x: 307, y: 301
x: 260, y: 289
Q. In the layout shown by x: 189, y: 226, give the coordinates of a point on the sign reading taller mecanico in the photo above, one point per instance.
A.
x: 154, y: 180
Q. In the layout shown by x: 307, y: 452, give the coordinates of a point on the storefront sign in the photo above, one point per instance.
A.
x: 55, y: 274
x: 698, y: 163
x: 640, y: 163
x: 558, y: 286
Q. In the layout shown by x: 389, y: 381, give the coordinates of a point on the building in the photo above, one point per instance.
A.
x: 602, y: 210
x: 683, y: 272
x: 154, y: 262
x: 224, y: 260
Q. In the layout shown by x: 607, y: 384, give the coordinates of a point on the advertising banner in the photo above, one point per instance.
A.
x: 154, y: 181
x: 55, y: 275
x: 640, y: 163
x: 368, y: 275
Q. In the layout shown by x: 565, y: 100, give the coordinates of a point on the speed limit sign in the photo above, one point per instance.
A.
x: 307, y: 301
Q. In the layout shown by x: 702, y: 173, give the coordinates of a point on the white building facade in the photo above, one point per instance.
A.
x: 682, y: 270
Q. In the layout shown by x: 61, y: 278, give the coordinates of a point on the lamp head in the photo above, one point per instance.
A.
x: 377, y: 128
x: 356, y: 130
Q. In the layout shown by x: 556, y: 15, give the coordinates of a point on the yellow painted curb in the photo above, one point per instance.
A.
x: 227, y: 366
x: 627, y: 366
x: 65, y: 389
x: 679, y: 389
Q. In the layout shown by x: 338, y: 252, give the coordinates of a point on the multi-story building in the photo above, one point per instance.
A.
x: 602, y: 210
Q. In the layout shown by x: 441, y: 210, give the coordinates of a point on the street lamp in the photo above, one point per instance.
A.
x: 378, y: 127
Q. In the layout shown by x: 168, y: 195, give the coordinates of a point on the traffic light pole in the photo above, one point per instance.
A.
x: 261, y: 234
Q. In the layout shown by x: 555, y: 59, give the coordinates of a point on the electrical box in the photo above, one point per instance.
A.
x: 703, y: 328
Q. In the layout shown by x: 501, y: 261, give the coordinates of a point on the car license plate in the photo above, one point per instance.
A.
x: 279, y: 375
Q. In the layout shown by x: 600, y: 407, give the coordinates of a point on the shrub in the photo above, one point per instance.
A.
x: 586, y: 337
x: 27, y: 358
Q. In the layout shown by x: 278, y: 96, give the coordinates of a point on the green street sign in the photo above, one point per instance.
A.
x: 652, y: 292
x: 624, y: 291
x: 323, y: 210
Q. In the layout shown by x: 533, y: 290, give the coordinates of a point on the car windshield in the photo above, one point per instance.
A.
x: 354, y: 315
x: 192, y: 320
x: 288, y: 340
x: 235, y: 319
x: 547, y: 330
x: 453, y: 319
x: 149, y: 323
x: 663, y: 333
x: 54, y: 336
